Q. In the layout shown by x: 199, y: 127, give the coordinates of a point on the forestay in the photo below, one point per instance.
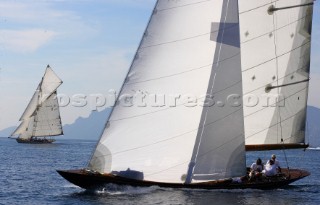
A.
x: 190, y: 49
x: 275, y: 52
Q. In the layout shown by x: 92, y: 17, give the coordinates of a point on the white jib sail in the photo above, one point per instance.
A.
x: 275, y: 52
x: 183, y: 48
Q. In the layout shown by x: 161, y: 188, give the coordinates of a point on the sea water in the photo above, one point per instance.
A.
x: 28, y: 176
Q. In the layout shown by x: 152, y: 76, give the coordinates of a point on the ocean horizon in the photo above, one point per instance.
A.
x: 28, y: 176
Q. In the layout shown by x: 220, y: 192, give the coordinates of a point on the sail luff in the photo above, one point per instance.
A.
x: 123, y: 83
x: 21, y: 128
x: 27, y: 133
x: 32, y: 106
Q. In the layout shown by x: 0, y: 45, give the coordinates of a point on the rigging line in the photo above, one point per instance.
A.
x: 286, y: 140
x: 258, y: 7
x: 199, y: 2
x: 277, y: 29
x: 202, y: 67
x: 35, y: 113
x: 307, y: 127
x: 301, y: 68
x: 275, y: 103
x: 147, y: 145
x: 193, y: 130
x: 271, y: 126
x: 204, y: 122
x: 288, y: 84
x: 200, y: 156
x: 272, y: 8
x: 236, y: 83
x: 307, y: 42
x: 185, y: 39
x: 264, y: 86
x: 278, y: 87
x: 213, y: 83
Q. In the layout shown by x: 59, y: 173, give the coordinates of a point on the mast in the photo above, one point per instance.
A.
x: 275, y: 76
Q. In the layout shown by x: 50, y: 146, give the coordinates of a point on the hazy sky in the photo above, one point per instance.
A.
x: 88, y: 43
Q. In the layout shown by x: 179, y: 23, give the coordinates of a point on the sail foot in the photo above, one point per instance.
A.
x: 264, y: 147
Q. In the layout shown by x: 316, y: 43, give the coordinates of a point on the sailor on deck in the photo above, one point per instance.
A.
x: 270, y: 168
x: 276, y: 162
x: 256, y: 169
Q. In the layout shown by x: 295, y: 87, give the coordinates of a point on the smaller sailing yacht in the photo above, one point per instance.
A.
x: 41, y: 118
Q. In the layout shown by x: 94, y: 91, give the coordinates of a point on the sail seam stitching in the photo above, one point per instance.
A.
x: 201, y: 155
x: 199, y: 68
x: 308, y: 42
x: 189, y: 38
x: 277, y: 29
x: 275, y: 103
x: 174, y: 137
x: 272, y: 125
x: 174, y: 106
x: 199, y: 2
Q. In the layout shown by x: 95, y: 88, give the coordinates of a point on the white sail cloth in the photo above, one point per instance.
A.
x: 190, y: 47
x: 275, y: 55
x: 42, y: 116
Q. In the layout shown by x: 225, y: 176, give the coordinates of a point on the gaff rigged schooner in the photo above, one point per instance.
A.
x: 199, y: 47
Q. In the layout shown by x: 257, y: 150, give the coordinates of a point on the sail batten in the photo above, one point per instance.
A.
x: 272, y: 9
x: 277, y: 74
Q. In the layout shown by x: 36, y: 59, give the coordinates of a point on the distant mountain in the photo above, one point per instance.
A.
x: 92, y: 126
x: 87, y: 128
x: 313, y: 127
x: 7, y: 132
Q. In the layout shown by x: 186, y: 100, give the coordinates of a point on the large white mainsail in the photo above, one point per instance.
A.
x: 42, y: 116
x: 275, y: 55
x: 190, y: 48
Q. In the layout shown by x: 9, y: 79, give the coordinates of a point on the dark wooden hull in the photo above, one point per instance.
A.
x: 35, y: 141
x: 92, y: 180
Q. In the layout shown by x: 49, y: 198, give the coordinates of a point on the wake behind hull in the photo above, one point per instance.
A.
x: 35, y: 141
x: 92, y: 180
